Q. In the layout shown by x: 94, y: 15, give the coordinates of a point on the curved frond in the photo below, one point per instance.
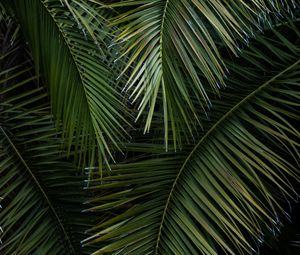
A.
x: 228, y: 190
x: 42, y: 194
x: 78, y: 70
x: 173, y: 46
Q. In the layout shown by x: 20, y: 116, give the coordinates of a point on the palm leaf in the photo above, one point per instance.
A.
x: 227, y: 191
x: 296, y: 243
x: 67, y: 43
x: 42, y: 194
x: 173, y: 46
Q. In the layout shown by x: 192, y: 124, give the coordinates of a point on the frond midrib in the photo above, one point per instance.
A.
x: 207, y: 134
x: 44, y: 194
x: 161, y: 41
x: 72, y: 57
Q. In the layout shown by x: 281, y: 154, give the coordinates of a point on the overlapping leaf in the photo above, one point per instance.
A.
x: 42, y: 194
x: 228, y: 190
x: 67, y: 40
x: 174, y: 45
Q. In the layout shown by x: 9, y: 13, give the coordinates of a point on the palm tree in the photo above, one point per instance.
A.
x: 212, y: 159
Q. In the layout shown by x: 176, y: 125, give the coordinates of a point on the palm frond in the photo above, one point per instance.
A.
x: 296, y: 243
x: 173, y: 46
x: 42, y: 193
x: 67, y: 43
x: 227, y: 191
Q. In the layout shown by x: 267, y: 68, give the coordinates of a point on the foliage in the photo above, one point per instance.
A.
x: 212, y: 159
x: 79, y: 75
x: 224, y: 192
x: 42, y: 192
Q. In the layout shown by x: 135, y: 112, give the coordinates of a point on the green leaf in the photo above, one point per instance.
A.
x: 225, y: 192
x: 41, y: 193
x: 67, y: 43
x: 173, y: 47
